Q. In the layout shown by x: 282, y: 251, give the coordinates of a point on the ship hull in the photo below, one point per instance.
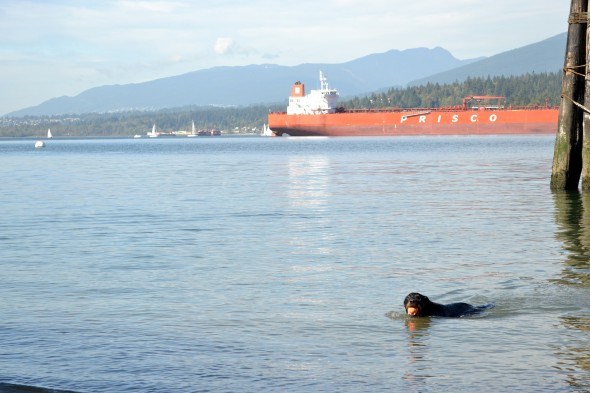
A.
x: 417, y: 122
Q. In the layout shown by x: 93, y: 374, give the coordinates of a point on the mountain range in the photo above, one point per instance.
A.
x: 268, y: 83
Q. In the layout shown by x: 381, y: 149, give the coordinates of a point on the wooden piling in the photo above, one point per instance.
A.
x: 567, y: 155
x: 586, y: 118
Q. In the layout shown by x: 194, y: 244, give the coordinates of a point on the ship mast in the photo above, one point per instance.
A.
x: 323, y: 82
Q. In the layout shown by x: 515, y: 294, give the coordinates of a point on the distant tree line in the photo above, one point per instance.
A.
x: 227, y: 119
x: 529, y: 89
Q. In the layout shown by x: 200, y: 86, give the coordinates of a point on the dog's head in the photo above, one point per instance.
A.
x: 416, y: 304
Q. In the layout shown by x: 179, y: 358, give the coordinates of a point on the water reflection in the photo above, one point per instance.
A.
x: 419, y: 368
x: 417, y: 329
x: 308, y: 181
x: 577, y: 353
x: 310, y: 198
x: 573, y: 221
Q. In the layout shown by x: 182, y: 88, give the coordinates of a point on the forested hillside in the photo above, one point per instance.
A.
x: 531, y: 89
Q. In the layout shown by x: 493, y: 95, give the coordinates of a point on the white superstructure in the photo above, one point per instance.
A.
x: 316, y: 102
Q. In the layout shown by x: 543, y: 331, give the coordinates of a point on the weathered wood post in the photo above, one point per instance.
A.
x: 567, y: 155
x: 586, y: 115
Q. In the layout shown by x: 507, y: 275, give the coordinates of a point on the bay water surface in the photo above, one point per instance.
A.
x: 249, y: 264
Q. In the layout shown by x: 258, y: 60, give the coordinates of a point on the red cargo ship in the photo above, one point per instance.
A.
x: 316, y: 114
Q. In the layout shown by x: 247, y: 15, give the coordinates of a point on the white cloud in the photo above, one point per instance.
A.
x: 223, y: 45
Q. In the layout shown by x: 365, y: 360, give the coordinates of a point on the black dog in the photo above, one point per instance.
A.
x: 418, y: 305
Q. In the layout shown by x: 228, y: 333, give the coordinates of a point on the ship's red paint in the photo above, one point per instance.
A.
x: 316, y: 114
x: 456, y: 121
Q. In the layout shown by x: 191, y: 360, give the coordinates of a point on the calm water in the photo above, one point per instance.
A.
x: 280, y: 264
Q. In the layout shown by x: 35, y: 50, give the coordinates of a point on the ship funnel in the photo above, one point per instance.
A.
x: 298, y: 90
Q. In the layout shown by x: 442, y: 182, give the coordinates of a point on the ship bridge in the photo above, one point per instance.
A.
x: 316, y: 102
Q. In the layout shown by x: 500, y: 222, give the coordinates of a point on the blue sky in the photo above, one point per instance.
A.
x: 55, y: 48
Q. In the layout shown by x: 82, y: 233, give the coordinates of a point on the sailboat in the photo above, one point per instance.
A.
x: 266, y: 131
x: 153, y: 133
x: 193, y: 131
x: 49, y: 136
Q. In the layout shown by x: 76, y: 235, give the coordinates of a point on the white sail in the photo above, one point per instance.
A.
x: 49, y: 136
x: 193, y: 131
x: 266, y: 131
x: 153, y: 133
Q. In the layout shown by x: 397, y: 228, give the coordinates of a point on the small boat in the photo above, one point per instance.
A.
x: 193, y: 131
x: 49, y: 136
x: 137, y: 136
x: 153, y: 133
x: 266, y: 131
x: 39, y: 145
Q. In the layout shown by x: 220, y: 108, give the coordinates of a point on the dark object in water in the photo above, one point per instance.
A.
x: 13, y: 388
x: 418, y: 305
